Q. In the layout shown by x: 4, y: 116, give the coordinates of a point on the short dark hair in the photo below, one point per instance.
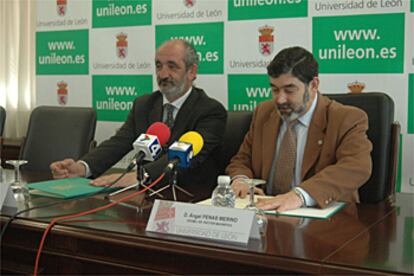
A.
x: 296, y: 61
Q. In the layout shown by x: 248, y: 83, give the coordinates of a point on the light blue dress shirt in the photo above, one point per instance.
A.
x: 301, y: 129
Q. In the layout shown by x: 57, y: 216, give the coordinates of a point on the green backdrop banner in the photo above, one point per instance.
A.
x: 207, y: 38
x: 247, y: 9
x: 247, y: 91
x: 359, y: 43
x: 62, y: 52
x: 101, y: 53
x: 113, y: 95
x: 109, y: 13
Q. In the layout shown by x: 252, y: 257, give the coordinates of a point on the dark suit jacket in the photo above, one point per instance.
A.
x: 199, y: 113
x: 336, y: 160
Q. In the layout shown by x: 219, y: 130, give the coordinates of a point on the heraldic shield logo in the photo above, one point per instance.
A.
x: 61, y: 7
x: 164, y: 218
x: 189, y: 3
x: 62, y: 93
x: 356, y: 87
x: 121, y: 45
x: 266, y: 40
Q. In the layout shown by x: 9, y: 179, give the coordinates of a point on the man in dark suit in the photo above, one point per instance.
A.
x: 176, y: 68
x: 310, y: 150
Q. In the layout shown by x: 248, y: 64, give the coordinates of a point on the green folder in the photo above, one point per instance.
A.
x: 65, y: 188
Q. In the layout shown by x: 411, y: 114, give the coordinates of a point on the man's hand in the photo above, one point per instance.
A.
x: 241, y: 189
x: 281, y: 203
x: 67, y: 168
x: 107, y: 180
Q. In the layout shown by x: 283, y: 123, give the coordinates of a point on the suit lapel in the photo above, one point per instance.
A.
x: 316, y: 136
x: 270, y: 132
x: 184, y: 115
x: 155, y: 114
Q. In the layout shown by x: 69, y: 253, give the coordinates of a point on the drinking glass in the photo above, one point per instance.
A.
x: 261, y: 218
x: 19, y: 187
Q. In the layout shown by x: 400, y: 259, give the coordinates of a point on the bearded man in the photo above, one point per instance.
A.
x: 181, y: 106
x: 310, y: 150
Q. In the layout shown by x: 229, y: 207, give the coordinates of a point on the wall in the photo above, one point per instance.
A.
x: 100, y: 52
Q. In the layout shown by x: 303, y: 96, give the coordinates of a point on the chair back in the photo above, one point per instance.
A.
x: 384, y: 135
x: 238, y: 123
x: 56, y: 133
x: 2, y: 119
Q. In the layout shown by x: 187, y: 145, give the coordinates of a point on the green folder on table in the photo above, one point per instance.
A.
x: 65, y: 188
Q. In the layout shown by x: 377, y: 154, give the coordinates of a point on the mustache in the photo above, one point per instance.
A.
x: 165, y: 81
x: 284, y: 106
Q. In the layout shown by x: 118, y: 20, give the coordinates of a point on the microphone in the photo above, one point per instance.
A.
x: 149, y: 145
x: 181, y: 152
x: 161, y: 130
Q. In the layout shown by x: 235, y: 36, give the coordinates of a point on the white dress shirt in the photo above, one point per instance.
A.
x: 177, y: 104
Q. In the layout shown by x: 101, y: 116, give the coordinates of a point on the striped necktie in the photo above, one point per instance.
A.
x: 169, y: 119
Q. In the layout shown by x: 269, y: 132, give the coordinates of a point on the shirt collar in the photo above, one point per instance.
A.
x: 306, y: 118
x: 178, y: 102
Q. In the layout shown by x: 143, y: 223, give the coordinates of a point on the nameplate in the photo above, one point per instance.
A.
x: 6, y: 196
x: 202, y: 221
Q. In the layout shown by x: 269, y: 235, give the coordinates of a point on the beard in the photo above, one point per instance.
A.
x: 171, y: 89
x: 289, y: 112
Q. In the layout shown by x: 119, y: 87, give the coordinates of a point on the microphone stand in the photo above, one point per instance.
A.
x: 172, y: 182
x: 141, y: 178
x: 140, y: 182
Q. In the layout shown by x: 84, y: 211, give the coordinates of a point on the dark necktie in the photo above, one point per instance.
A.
x: 169, y: 119
x: 285, y: 164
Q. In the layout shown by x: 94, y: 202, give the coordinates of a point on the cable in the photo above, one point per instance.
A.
x: 54, y: 221
x: 12, y: 218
